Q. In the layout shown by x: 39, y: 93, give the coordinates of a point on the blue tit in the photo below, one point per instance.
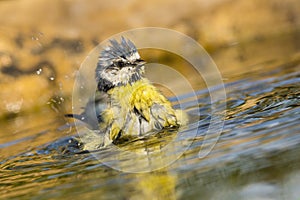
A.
x: 126, y: 103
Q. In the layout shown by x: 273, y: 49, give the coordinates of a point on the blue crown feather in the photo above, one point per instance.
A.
x: 125, y: 49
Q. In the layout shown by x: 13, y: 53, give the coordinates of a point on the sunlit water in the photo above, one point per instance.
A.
x: 256, y: 156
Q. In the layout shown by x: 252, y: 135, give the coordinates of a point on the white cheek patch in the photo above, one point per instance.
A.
x: 110, y: 77
x: 134, y: 56
x: 124, y: 74
x: 117, y: 77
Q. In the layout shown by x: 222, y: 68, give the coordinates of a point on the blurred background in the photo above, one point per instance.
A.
x: 254, y: 43
x: 43, y: 43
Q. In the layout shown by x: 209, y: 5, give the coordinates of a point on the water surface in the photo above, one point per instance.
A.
x: 256, y: 156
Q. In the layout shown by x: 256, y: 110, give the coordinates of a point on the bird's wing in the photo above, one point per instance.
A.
x: 153, y: 107
x: 92, y: 114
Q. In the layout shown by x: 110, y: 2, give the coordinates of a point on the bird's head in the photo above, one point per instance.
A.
x: 119, y: 64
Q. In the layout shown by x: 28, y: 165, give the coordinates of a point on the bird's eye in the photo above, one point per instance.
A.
x: 119, y: 64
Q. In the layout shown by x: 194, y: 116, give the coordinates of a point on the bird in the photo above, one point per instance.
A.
x: 126, y: 102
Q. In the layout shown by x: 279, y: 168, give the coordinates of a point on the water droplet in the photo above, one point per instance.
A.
x: 51, y: 78
x: 39, y: 71
x: 14, y: 107
x: 34, y: 38
x: 60, y: 86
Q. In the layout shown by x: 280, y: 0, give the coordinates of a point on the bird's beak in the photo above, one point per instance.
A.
x: 140, y: 62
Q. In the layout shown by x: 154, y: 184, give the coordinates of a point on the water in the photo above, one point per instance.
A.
x: 256, y: 156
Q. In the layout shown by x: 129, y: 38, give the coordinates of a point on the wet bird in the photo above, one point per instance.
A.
x: 126, y: 103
